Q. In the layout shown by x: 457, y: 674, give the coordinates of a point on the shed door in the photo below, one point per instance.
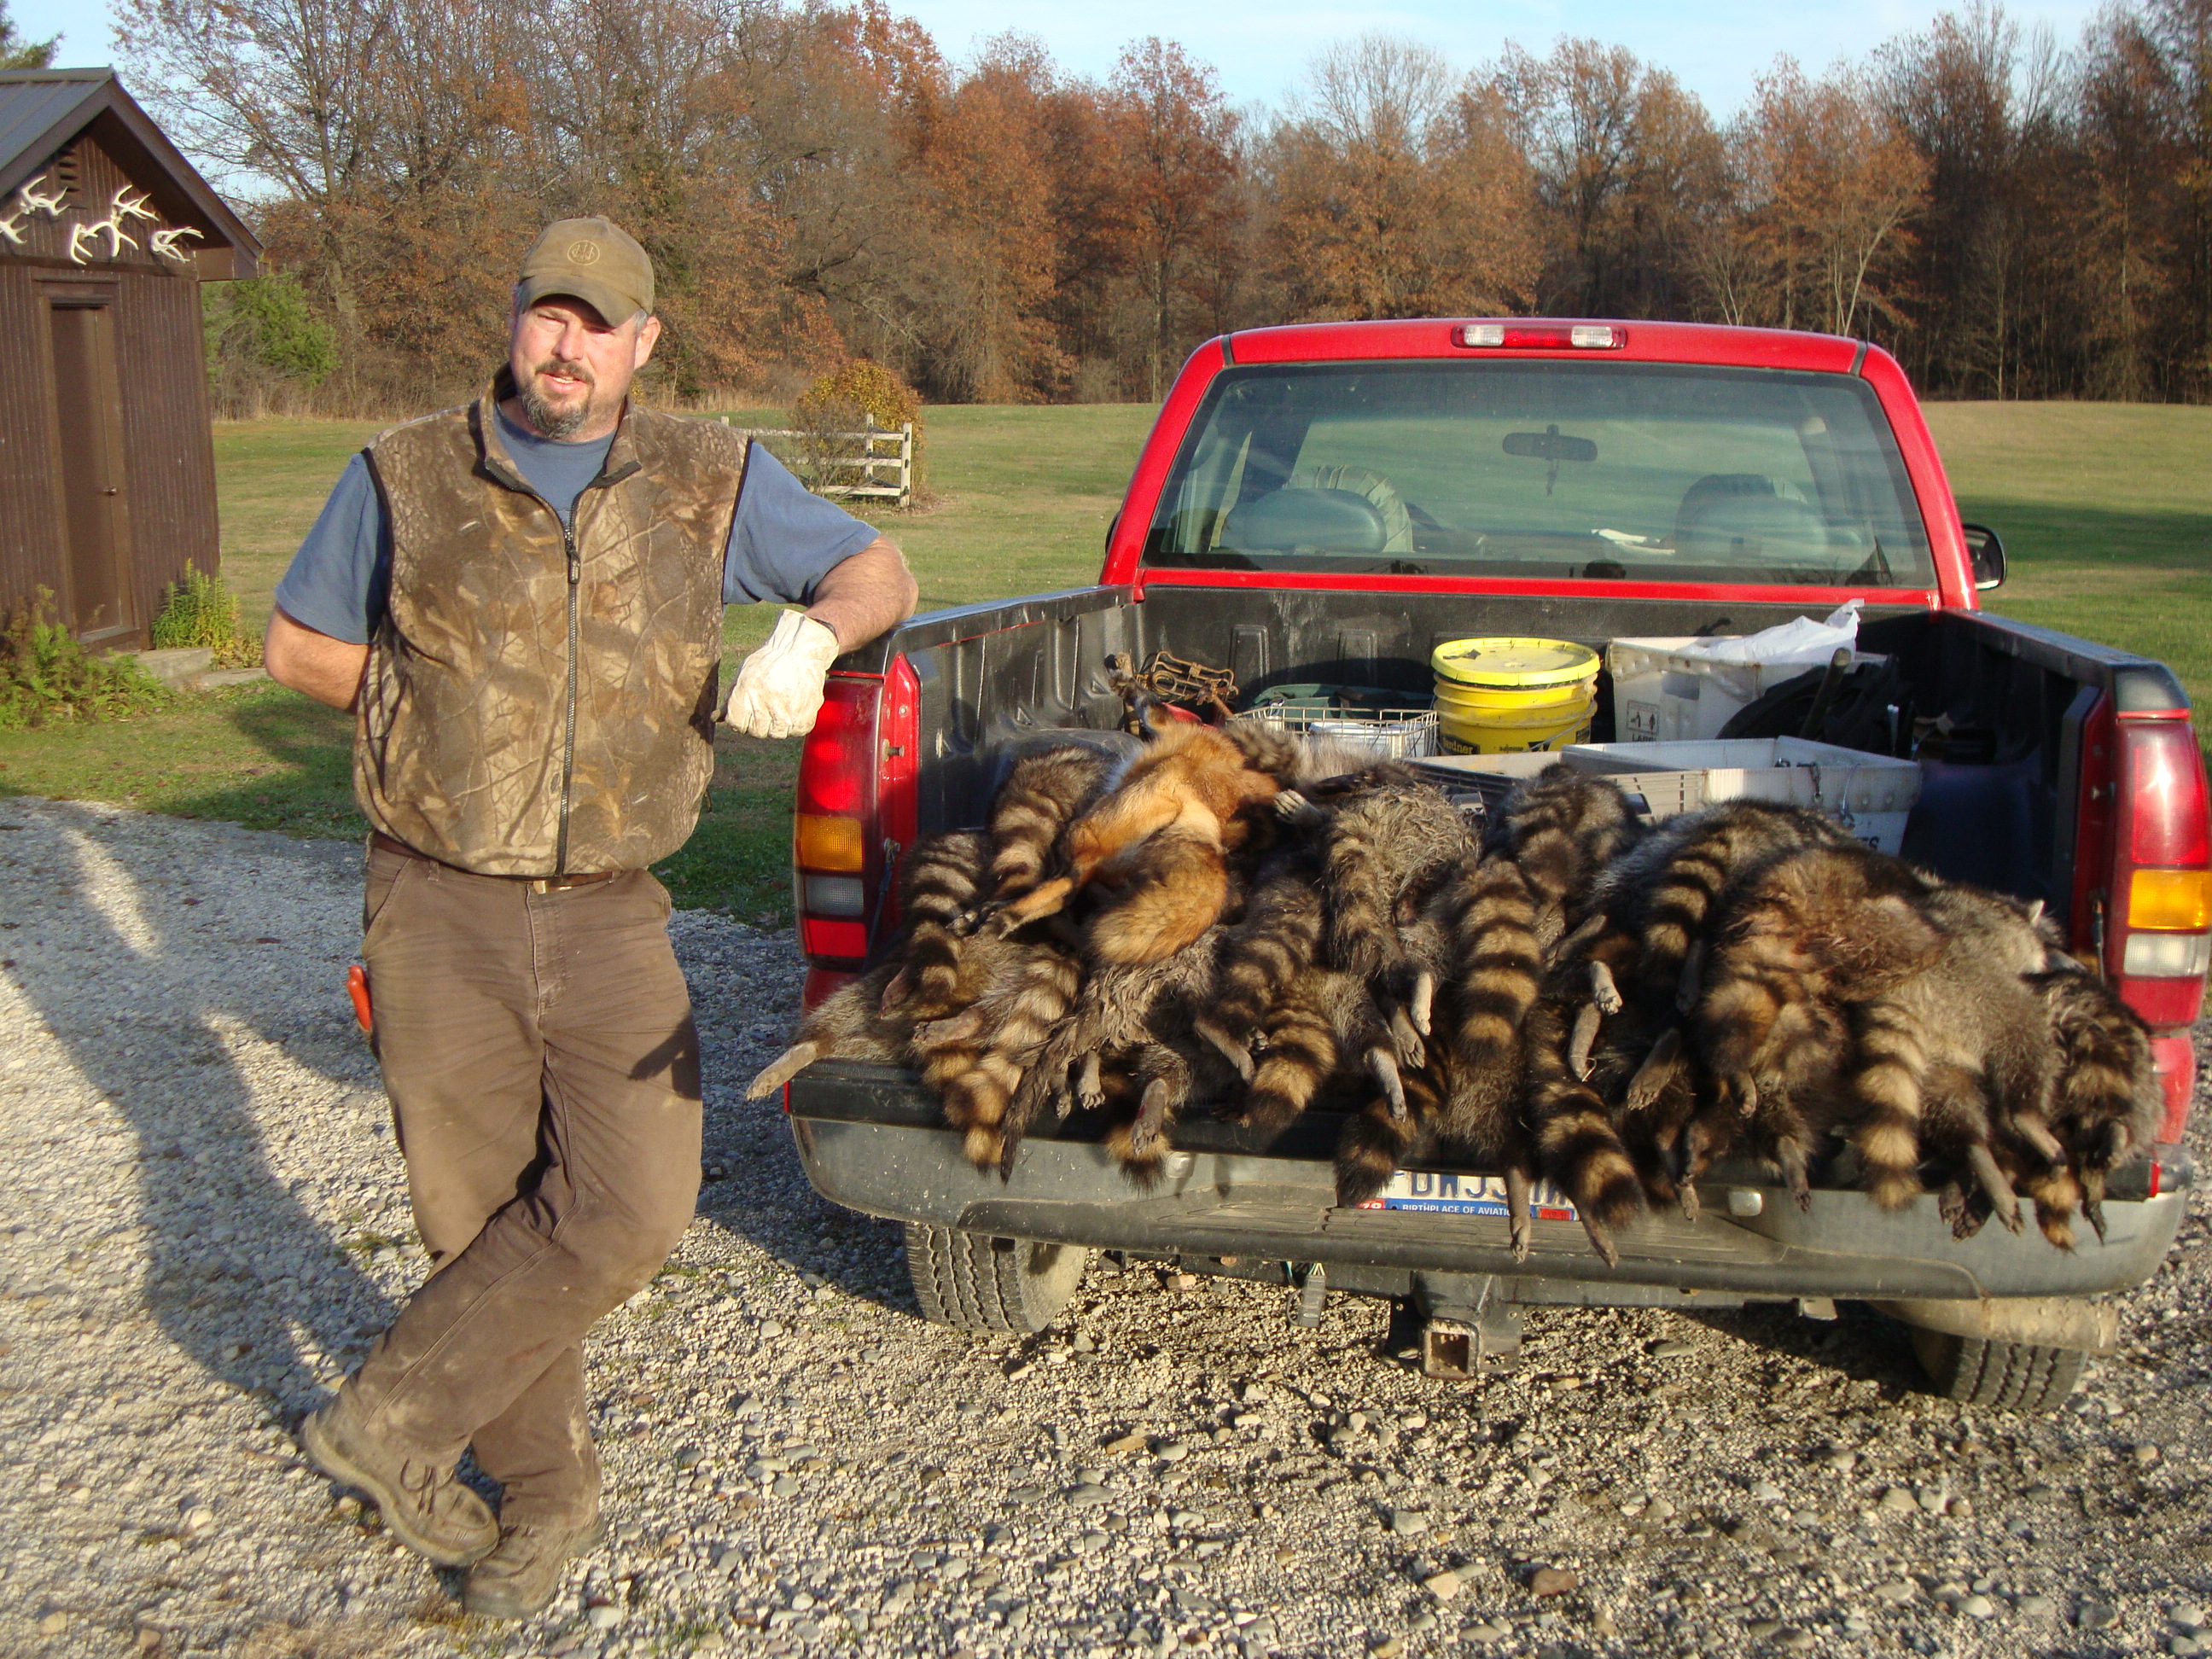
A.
x: 94, y: 520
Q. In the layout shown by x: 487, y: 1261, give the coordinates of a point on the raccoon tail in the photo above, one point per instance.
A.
x: 1300, y: 1053
x: 1375, y: 1141
x: 1040, y: 796
x: 1886, y: 1084
x: 1498, y: 968
x: 1576, y: 1145
x: 1274, y: 945
x: 1362, y: 924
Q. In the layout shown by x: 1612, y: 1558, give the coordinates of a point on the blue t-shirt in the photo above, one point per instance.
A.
x: 783, y: 540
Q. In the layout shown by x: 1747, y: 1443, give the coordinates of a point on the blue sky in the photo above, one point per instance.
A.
x: 1260, y: 49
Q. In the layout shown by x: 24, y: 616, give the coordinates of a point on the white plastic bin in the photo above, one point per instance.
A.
x: 1872, y: 795
x: 1661, y: 696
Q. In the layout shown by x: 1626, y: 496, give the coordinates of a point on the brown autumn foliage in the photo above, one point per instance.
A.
x: 818, y: 183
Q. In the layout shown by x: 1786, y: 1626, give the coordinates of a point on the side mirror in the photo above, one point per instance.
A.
x: 1986, y: 552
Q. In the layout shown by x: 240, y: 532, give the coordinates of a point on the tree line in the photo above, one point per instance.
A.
x: 2014, y: 218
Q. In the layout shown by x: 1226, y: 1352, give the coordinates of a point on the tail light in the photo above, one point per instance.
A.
x: 1543, y: 337
x: 2158, y: 934
x: 853, y: 816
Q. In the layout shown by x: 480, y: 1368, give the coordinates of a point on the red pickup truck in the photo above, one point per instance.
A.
x: 1328, y: 504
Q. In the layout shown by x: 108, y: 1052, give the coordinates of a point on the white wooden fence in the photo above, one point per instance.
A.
x: 870, y: 469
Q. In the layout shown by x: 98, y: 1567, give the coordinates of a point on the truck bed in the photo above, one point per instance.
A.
x: 993, y: 676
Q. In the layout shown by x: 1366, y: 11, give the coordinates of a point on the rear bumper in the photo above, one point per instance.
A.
x: 869, y: 1140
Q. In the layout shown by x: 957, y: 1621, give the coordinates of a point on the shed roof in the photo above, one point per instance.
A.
x: 42, y: 111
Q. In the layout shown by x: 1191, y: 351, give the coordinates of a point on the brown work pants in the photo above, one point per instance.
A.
x: 543, y: 1072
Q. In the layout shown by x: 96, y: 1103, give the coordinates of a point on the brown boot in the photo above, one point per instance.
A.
x: 520, y: 1575
x: 426, y: 1508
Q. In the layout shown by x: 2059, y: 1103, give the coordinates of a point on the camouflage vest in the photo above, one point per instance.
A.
x: 540, y: 703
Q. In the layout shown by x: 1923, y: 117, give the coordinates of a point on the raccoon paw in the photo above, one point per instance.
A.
x: 2004, y: 1203
x: 1656, y: 1071
x: 1238, y: 1054
x: 2095, y: 1209
x: 1519, y: 1220
x: 1295, y: 810
x: 1384, y: 1067
x: 1601, y: 1242
x: 1582, y: 1039
x: 1604, y: 992
x: 1420, y: 1006
x: 1090, y: 1089
x: 1152, y: 1118
x: 1412, y: 1052
x: 784, y: 1067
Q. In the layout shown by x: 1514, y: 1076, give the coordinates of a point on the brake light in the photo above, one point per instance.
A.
x: 2159, y: 940
x: 853, y: 813
x: 1542, y: 336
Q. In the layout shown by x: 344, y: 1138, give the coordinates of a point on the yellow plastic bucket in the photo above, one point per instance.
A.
x: 1472, y: 701
x: 1512, y: 694
x: 1457, y: 739
x: 1514, y: 663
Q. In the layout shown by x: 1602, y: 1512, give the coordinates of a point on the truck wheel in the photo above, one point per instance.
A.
x: 2012, y: 1376
x: 977, y: 1282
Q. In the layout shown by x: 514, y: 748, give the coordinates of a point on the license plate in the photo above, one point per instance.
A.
x: 1442, y: 1194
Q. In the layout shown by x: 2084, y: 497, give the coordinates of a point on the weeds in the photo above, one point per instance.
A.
x: 201, y: 611
x: 46, y: 673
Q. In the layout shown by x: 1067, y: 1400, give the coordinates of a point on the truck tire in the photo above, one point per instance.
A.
x: 2009, y: 1376
x: 977, y: 1282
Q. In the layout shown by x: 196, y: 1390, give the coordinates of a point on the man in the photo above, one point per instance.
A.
x: 523, y: 599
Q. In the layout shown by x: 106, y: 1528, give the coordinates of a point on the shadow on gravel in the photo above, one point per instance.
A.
x: 234, y: 1264
x: 1859, y: 1343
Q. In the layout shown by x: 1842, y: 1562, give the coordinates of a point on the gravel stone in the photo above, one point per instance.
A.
x: 206, y: 1222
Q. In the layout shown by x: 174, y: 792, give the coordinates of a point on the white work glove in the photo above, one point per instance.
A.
x: 779, y: 689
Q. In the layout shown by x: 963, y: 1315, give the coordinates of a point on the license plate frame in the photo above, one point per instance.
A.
x: 1445, y: 1192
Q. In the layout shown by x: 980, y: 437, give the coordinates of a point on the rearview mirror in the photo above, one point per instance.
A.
x: 1986, y: 552
x: 1550, y: 444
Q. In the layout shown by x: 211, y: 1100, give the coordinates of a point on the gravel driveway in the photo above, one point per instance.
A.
x: 208, y: 1219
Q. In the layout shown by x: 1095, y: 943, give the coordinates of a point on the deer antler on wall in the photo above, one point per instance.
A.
x: 28, y: 196
x: 123, y: 205
x: 111, y: 227
x: 11, y: 226
x: 165, y: 242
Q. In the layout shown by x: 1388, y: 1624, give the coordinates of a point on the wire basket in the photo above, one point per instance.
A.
x: 1387, y: 733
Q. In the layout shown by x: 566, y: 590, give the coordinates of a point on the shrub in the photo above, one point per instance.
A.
x: 46, y: 672
x: 840, y: 402
x: 201, y: 609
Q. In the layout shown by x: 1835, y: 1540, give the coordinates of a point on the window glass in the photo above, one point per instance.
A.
x: 1655, y: 472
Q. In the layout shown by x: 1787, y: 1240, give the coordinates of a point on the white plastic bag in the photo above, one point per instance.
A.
x: 1803, y: 643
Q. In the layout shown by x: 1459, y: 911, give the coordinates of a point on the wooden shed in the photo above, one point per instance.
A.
x: 107, y: 459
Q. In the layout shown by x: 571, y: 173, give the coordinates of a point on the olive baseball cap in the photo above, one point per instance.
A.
x: 594, y: 260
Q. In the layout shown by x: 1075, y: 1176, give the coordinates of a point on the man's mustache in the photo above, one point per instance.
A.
x: 564, y: 366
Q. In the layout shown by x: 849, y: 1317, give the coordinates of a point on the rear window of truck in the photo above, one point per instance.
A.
x: 1646, y: 471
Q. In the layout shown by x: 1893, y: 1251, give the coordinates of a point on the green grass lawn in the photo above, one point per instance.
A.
x: 2105, y: 510
x: 1018, y: 501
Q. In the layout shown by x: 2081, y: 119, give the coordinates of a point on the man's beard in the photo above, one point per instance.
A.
x: 545, y: 419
